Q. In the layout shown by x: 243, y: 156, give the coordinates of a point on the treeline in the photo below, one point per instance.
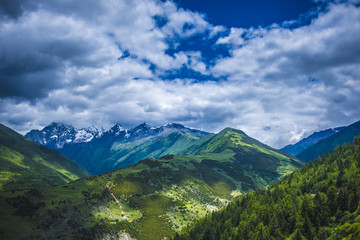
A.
x: 319, y: 201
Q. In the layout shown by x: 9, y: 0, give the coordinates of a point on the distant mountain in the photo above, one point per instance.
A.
x: 320, y: 201
x: 346, y: 135
x: 24, y: 163
x: 118, y: 147
x: 56, y: 135
x: 300, y: 146
x: 153, y: 198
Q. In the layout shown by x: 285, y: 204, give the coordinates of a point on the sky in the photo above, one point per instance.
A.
x: 277, y: 71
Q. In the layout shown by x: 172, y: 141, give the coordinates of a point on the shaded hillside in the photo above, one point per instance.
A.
x: 327, y: 145
x: 307, y: 142
x: 25, y: 163
x: 150, y: 200
x: 319, y: 201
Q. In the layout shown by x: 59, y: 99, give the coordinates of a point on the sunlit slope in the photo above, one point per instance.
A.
x: 25, y: 163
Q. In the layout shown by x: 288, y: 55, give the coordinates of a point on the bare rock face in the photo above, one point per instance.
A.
x: 121, y: 236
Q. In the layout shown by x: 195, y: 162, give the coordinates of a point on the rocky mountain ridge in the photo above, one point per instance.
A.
x: 57, y: 134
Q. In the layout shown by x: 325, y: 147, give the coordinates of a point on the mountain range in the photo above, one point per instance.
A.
x: 307, y: 142
x: 100, y: 151
x: 319, y: 143
x: 326, y: 145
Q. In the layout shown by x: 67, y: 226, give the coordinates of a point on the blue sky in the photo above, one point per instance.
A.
x: 277, y: 70
x: 248, y: 13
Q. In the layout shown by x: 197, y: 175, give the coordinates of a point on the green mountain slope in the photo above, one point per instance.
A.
x: 152, y: 199
x: 99, y: 158
x: 327, y: 145
x: 248, y: 151
x: 320, y: 201
x: 25, y: 163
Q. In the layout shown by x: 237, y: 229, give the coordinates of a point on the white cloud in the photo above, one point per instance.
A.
x: 234, y: 37
x: 284, y: 62
x: 216, y: 30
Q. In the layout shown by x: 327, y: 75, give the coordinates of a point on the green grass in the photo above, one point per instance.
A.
x: 26, y: 164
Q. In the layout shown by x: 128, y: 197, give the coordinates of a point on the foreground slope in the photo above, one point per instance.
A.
x: 152, y: 199
x: 324, y: 146
x: 25, y: 163
x: 320, y: 201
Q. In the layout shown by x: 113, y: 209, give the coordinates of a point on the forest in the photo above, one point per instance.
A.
x: 319, y: 201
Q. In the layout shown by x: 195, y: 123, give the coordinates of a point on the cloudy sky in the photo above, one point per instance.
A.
x: 275, y: 70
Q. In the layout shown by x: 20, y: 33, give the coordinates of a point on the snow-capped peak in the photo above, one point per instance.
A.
x: 117, y: 129
x: 57, y: 134
x: 87, y: 134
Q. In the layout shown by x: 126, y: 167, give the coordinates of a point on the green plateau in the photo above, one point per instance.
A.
x: 26, y: 164
x: 319, y: 201
x: 153, y: 199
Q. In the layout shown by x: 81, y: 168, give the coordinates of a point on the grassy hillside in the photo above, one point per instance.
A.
x: 327, y: 145
x: 152, y: 199
x: 98, y: 158
x: 248, y: 151
x: 26, y: 164
x: 320, y: 201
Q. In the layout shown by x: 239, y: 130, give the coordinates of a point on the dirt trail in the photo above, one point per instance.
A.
x: 116, y: 200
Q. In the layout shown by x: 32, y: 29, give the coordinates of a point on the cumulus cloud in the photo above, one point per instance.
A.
x: 103, y: 62
x: 55, y: 37
x: 235, y: 37
x: 320, y: 61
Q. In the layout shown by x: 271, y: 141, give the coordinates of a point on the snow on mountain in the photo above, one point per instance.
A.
x: 56, y: 135
x: 87, y: 134
x: 116, y: 130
